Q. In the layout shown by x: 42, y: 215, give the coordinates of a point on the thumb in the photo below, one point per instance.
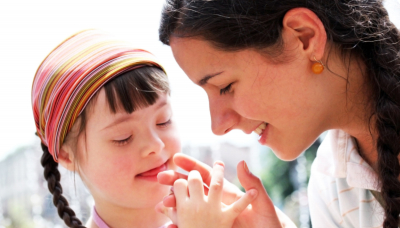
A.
x: 249, y: 181
x: 240, y: 205
x: 170, y: 212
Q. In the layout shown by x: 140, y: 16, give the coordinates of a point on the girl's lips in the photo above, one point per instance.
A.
x: 151, y: 175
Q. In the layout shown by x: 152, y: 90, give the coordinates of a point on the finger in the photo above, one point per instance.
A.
x: 169, y: 177
x: 169, y: 201
x: 195, y: 185
x: 172, y: 226
x: 249, y: 181
x: 169, y: 212
x: 181, y: 191
x: 188, y: 163
x: 239, y: 206
x: 217, y: 183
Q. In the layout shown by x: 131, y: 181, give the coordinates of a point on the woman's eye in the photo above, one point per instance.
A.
x: 226, y: 89
x: 123, y: 141
x: 165, y: 123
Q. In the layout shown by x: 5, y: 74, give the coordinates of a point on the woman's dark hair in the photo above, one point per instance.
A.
x: 128, y: 92
x: 359, y: 29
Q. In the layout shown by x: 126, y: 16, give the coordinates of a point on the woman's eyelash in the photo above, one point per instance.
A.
x: 123, y: 141
x: 226, y: 89
x: 165, y: 123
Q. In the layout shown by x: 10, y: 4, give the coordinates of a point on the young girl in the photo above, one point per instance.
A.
x: 102, y: 109
x: 290, y: 70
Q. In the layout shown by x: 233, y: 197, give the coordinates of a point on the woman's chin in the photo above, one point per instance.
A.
x: 288, y: 153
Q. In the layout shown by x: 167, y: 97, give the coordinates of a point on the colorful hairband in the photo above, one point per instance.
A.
x: 71, y: 74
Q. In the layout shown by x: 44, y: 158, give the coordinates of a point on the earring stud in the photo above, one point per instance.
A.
x: 317, y: 67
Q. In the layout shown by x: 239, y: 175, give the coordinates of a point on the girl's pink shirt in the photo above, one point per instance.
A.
x: 101, y: 224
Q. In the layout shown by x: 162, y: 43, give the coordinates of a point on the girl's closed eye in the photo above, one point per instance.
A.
x: 123, y: 142
x: 225, y: 90
x: 165, y: 124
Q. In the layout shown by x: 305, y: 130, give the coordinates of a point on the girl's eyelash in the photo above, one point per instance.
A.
x: 165, y: 123
x: 127, y: 140
x: 226, y: 89
x: 123, y: 141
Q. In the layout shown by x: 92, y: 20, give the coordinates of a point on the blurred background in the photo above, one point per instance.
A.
x: 29, y: 30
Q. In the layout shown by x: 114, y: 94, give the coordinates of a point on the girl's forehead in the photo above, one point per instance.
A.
x: 101, y: 116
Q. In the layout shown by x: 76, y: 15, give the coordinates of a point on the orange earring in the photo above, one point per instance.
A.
x: 317, y: 67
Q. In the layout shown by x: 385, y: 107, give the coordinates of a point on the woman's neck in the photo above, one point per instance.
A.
x: 351, y: 108
x: 117, y: 217
x: 354, y: 112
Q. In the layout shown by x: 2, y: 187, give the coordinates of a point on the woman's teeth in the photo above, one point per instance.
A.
x: 260, y: 128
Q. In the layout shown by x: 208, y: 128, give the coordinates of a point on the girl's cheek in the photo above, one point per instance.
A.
x: 114, y: 173
x: 173, y: 142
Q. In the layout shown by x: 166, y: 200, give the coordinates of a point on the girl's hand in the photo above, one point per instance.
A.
x: 261, y: 214
x: 195, y: 209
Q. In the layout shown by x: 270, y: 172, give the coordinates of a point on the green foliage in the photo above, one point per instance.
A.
x: 279, y: 177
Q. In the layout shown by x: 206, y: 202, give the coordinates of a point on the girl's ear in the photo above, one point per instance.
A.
x: 66, y: 157
x: 305, y: 29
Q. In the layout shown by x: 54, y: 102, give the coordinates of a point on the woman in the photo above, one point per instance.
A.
x: 290, y: 70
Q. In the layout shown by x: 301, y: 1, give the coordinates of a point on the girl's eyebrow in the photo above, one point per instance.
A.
x: 205, y: 79
x: 128, y: 116
x: 117, y: 121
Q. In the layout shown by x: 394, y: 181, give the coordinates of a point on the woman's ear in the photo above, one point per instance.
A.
x: 305, y: 29
x: 66, y: 157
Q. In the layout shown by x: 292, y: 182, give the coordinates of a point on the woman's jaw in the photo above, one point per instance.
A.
x: 286, y: 144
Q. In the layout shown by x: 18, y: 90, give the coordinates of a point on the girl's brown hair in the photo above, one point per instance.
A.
x: 358, y: 28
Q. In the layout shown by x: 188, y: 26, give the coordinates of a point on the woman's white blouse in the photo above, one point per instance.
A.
x: 339, y: 185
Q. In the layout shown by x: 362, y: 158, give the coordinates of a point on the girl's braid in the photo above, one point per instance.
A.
x: 52, y: 175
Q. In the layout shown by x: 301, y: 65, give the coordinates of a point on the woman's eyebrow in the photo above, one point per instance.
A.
x: 205, y: 79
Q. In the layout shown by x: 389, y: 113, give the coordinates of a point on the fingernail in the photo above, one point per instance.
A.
x: 245, y: 167
x: 219, y: 163
x: 252, y: 192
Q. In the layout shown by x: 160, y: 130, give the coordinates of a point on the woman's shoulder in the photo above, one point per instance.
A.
x: 334, y: 199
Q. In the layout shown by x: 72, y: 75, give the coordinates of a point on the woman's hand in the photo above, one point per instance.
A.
x: 261, y: 214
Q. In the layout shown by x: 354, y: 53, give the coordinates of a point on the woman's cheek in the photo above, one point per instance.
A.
x: 248, y: 108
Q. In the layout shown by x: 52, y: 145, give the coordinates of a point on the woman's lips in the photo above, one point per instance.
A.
x: 263, y: 136
x: 151, y: 175
x: 260, y: 128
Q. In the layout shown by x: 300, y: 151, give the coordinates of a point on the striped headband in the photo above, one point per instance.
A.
x: 71, y: 74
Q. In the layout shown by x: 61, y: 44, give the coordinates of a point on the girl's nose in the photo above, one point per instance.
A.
x: 151, y: 144
x: 223, y: 117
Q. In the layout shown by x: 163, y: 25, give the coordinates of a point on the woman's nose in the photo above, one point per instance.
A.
x: 223, y: 117
x: 151, y: 144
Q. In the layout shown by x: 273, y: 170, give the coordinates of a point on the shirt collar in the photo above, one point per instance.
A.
x: 338, y: 157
